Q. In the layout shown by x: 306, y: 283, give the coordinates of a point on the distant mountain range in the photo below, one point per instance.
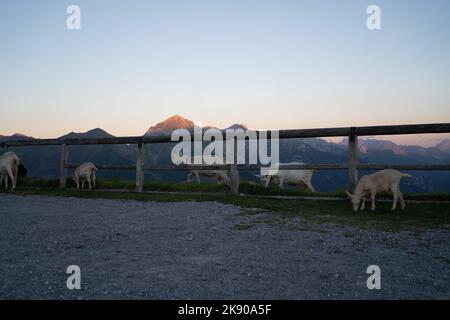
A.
x: 179, y: 122
x: 439, y: 152
x: 43, y: 161
x: 444, y: 146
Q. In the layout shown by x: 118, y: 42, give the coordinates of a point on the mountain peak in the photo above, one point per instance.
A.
x: 93, y: 133
x: 170, y: 124
x: 238, y: 126
x: 444, y: 145
x: 16, y: 136
x: 98, y: 132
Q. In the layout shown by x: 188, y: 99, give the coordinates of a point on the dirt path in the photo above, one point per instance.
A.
x: 205, y: 250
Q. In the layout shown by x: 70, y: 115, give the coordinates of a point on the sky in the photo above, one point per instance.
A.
x: 269, y: 64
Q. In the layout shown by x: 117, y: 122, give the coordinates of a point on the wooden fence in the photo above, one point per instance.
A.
x: 351, y: 132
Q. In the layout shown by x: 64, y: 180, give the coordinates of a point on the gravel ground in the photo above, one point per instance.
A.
x: 199, y: 250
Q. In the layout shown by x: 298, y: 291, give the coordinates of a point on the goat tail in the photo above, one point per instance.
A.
x: 16, y: 161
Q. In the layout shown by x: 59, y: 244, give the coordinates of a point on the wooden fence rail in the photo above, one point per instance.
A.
x: 351, y: 132
x: 244, y: 167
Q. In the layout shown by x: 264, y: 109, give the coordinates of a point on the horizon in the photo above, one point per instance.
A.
x: 433, y: 139
x: 271, y: 65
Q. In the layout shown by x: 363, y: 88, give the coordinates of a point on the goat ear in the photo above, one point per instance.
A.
x: 258, y: 175
x: 349, y: 194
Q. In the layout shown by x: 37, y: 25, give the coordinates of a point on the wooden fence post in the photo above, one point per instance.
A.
x: 63, y: 165
x: 234, y: 173
x: 352, y: 159
x: 140, y: 167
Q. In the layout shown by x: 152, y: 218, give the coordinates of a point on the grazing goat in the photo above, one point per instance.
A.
x: 19, y: 171
x: 85, y: 171
x: 384, y: 180
x: 291, y: 177
x: 9, y: 164
x: 220, y: 175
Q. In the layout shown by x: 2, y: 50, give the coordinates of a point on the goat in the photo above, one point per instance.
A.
x: 220, y: 175
x: 384, y: 180
x: 85, y: 171
x: 20, y: 171
x: 293, y: 177
x: 9, y: 164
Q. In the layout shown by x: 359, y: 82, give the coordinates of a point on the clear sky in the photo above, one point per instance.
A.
x: 269, y: 64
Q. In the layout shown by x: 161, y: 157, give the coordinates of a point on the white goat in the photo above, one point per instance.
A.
x: 220, y: 175
x: 85, y: 171
x: 384, y: 180
x: 9, y: 164
x: 291, y: 177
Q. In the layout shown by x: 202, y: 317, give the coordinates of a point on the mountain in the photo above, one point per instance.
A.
x: 15, y: 137
x: 373, y: 144
x: 368, y: 146
x: 94, y: 133
x: 170, y: 124
x: 444, y: 146
x: 238, y: 126
x: 179, y: 122
x: 42, y: 161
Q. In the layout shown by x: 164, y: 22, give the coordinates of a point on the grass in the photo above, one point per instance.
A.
x: 123, y: 184
x: 245, y: 187
x: 416, y: 216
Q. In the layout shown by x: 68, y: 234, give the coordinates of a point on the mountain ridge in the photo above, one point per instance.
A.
x: 367, y: 145
x: 93, y: 133
x: 439, y: 151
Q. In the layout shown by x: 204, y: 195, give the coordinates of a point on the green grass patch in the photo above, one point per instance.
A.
x: 245, y: 187
x: 348, y: 234
x: 27, y: 182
